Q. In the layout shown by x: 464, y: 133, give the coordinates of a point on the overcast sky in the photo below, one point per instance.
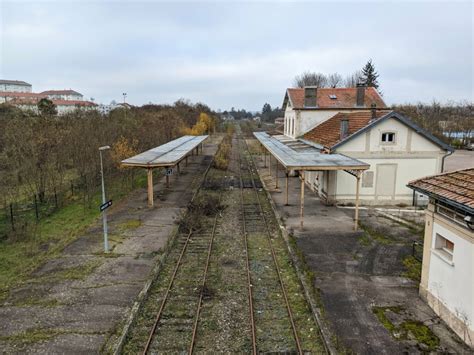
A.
x: 239, y: 54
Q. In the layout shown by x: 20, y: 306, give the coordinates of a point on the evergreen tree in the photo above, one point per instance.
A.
x: 46, y: 107
x: 369, y: 75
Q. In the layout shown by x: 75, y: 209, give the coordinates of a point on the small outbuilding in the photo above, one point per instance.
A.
x: 447, y: 277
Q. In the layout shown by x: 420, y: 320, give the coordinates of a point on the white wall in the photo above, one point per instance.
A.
x: 453, y: 284
x: 15, y: 88
x: 414, y: 157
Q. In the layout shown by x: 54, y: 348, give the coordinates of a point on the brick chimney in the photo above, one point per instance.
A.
x: 310, y: 93
x: 373, y: 109
x: 360, y: 95
x: 344, y: 128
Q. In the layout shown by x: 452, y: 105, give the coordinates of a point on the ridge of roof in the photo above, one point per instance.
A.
x: 345, y: 98
x: 14, y: 82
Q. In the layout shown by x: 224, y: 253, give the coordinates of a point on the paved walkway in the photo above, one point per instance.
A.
x: 78, y: 301
x: 353, y: 277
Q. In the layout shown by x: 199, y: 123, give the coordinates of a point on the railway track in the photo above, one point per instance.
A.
x: 229, y: 285
x: 255, y: 225
x: 177, y: 319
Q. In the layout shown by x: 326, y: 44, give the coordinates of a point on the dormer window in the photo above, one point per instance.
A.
x: 388, y: 137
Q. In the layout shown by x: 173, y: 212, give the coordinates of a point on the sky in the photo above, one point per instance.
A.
x: 236, y: 54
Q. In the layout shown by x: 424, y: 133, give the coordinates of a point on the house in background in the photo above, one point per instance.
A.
x: 14, y: 86
x: 63, y: 95
x: 307, y: 107
x: 396, y: 149
x: 447, y: 277
x: 19, y: 93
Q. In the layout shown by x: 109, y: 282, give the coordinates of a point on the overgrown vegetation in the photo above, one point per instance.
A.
x: 48, y: 161
x: 407, y: 329
x: 221, y: 159
x: 413, y: 267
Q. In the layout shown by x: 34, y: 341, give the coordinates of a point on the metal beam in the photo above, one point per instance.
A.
x: 302, y: 200
x: 356, y: 212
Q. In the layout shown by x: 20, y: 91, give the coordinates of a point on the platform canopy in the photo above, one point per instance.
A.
x: 168, y: 154
x: 299, y: 154
x: 165, y: 156
x: 303, y: 155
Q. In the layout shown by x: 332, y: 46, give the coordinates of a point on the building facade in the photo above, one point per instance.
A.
x: 14, y: 86
x: 356, y: 122
x: 447, y: 278
x: 63, y: 95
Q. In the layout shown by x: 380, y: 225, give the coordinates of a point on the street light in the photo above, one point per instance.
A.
x: 124, y: 96
x: 104, y: 212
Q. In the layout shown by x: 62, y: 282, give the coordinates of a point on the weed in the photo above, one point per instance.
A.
x: 413, y: 267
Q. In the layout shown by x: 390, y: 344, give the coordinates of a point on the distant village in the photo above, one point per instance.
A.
x: 20, y: 94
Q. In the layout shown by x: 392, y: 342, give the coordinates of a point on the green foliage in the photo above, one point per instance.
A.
x: 369, y: 75
x: 408, y: 328
x: 413, y: 267
x: 46, y: 107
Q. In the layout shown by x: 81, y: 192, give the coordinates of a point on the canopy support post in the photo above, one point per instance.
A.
x: 150, y: 186
x: 270, y: 165
x: 356, y: 212
x: 186, y: 161
x: 264, y: 158
x: 276, y: 174
x: 302, y: 200
x: 287, y: 204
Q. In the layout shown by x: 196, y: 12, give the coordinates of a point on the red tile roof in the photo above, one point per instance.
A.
x: 328, y: 133
x: 34, y: 101
x: 20, y: 94
x: 345, y: 98
x: 456, y: 186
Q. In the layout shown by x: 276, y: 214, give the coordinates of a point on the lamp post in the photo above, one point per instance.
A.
x: 124, y: 96
x: 104, y: 212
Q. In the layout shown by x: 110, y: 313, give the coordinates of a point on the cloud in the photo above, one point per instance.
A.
x: 235, y: 54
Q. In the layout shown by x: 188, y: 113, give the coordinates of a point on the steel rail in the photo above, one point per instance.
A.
x: 204, y: 279
x: 170, y: 285
x: 285, y: 296
x: 249, y: 278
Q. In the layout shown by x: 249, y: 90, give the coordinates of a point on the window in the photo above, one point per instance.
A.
x: 388, y: 137
x: 444, y: 248
x: 333, y: 97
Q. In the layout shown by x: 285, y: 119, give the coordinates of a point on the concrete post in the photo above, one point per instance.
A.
x: 302, y: 200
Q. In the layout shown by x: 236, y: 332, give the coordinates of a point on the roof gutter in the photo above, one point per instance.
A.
x: 450, y: 152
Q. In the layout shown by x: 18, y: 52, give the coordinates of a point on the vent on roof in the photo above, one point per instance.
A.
x: 333, y: 97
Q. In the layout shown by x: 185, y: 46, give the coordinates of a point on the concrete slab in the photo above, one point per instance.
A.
x: 354, y: 274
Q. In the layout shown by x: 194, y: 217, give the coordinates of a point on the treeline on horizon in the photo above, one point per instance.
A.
x: 42, y: 153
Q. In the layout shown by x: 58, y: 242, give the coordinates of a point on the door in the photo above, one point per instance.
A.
x: 386, y: 179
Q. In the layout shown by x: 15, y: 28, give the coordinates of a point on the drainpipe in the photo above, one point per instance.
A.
x: 444, y: 157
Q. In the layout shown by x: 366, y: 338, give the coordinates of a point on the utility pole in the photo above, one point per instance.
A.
x: 104, y: 212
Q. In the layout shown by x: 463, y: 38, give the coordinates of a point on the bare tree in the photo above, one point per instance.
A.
x: 334, y: 80
x: 353, y: 79
x: 310, y: 79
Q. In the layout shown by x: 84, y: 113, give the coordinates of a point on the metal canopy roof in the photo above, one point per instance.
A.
x: 168, y: 154
x: 299, y: 155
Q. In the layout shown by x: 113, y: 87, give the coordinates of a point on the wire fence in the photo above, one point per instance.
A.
x: 20, y: 218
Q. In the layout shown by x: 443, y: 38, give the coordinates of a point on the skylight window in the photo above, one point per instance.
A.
x: 333, y: 97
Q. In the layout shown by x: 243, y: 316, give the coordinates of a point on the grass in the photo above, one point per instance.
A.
x: 413, y: 267
x: 371, y: 233
x: 408, y: 328
x: 19, y: 258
